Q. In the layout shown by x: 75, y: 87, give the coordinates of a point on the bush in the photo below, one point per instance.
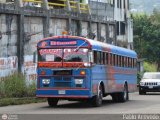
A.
x: 31, y: 90
x: 15, y: 86
x: 139, y: 76
x: 149, y: 67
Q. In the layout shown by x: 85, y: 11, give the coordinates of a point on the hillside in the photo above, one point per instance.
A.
x: 146, y: 6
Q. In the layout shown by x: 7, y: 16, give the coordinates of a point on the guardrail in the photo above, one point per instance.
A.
x: 73, y: 5
x: 35, y: 3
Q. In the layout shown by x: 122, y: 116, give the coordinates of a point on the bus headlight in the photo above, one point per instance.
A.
x: 78, y: 81
x: 87, y: 64
x: 46, y: 81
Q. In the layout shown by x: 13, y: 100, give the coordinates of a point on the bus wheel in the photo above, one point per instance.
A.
x: 52, y: 102
x: 97, y: 100
x: 124, y: 96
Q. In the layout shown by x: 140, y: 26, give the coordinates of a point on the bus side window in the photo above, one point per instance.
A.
x: 95, y: 56
x: 122, y: 61
x: 106, y: 58
x: 111, y: 59
x: 130, y: 62
x: 98, y: 57
x: 135, y: 63
x: 127, y: 61
x: 117, y: 60
x: 102, y: 58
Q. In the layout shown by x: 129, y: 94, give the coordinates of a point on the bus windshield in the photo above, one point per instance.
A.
x: 65, y: 55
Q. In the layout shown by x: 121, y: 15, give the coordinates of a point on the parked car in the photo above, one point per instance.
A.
x: 150, y: 82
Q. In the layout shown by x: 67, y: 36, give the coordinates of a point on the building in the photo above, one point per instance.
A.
x: 24, y: 22
x: 116, y: 10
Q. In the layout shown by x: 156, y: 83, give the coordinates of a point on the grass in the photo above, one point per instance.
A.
x: 15, y: 86
x: 14, y: 90
x: 19, y: 101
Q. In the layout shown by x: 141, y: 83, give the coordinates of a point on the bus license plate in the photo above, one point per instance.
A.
x: 150, y: 87
x: 61, y: 92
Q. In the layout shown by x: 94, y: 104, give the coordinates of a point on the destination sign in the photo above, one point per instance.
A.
x: 63, y: 43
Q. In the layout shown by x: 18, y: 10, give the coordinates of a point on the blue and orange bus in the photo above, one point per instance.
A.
x: 77, y: 68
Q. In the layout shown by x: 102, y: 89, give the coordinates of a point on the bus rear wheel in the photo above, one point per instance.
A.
x: 122, y: 96
x: 52, y: 102
x: 97, y: 100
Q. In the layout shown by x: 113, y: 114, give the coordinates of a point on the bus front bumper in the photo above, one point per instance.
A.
x: 64, y: 93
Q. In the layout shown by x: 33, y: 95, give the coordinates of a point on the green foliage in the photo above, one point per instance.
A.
x: 139, y: 77
x: 149, y: 67
x: 15, y: 86
x: 31, y: 89
x: 147, y: 36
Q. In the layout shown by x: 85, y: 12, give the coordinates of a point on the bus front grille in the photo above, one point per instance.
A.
x: 62, y: 84
x: 63, y: 81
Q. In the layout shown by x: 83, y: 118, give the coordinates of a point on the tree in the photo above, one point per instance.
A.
x: 147, y: 37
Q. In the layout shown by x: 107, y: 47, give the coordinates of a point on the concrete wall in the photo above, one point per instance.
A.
x: 85, y: 28
x: 8, y: 35
x: 103, y: 33
x: 33, y: 32
x: 102, y: 9
x: 2, y: 1
x: 57, y: 26
x: 8, y: 65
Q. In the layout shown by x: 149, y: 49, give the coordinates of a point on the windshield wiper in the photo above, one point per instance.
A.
x: 79, y: 47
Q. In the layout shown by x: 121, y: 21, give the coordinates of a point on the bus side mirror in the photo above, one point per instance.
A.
x: 35, y: 58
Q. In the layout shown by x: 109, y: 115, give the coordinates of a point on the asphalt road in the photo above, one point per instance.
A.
x: 138, y: 104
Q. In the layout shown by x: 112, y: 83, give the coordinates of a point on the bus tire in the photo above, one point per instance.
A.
x: 124, y: 96
x: 52, y: 102
x: 121, y: 96
x: 97, y: 99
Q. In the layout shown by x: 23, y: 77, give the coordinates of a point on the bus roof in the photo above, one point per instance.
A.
x: 99, y: 46
x: 96, y: 45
